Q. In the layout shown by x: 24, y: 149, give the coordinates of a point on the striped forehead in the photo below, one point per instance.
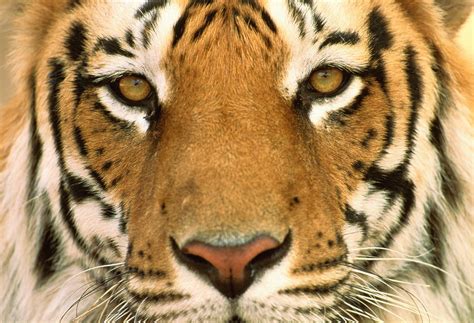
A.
x: 316, y: 32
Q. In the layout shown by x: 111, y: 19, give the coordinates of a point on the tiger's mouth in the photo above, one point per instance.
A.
x: 121, y: 300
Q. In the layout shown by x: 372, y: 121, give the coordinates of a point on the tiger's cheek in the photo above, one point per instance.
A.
x: 361, y: 135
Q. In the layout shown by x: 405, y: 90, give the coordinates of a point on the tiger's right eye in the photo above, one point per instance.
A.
x: 132, y: 89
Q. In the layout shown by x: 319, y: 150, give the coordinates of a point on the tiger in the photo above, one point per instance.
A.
x: 237, y: 161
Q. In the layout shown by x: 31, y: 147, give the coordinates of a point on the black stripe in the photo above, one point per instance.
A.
x: 130, y: 38
x: 108, y: 211
x: 123, y: 125
x: 67, y: 216
x: 55, y: 78
x: 357, y: 218
x: 450, y: 183
x: 124, y: 215
x: 268, y: 21
x: 111, y: 46
x: 196, y: 3
x: 79, y: 189
x: 380, y: 75
x: 389, y: 131
x: 74, y: 4
x: 80, y: 82
x: 147, y: 29
x: 180, y: 27
x: 298, y: 17
x: 36, y: 145
x: 369, y: 136
x: 250, y: 22
x: 380, y: 36
x: 208, y: 20
x: 76, y: 41
x: 318, y: 22
x: 396, y: 182
x: 340, y: 37
x: 81, y: 144
x: 149, y: 6
x: 436, y: 230
x: 415, y: 87
x: 339, y: 116
x: 163, y: 297
x: 106, y: 166
x: 99, y: 180
x: 50, y: 247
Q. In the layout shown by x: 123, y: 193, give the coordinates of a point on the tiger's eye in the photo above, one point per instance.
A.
x: 134, y: 88
x: 327, y: 80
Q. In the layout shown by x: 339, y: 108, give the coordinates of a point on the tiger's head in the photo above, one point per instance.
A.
x: 243, y: 159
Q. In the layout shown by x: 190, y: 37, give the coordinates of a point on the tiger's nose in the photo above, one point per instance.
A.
x: 232, y: 269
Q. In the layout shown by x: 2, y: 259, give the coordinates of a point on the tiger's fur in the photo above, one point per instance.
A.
x: 374, y: 185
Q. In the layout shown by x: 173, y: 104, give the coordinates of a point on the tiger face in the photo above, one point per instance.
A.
x: 240, y: 160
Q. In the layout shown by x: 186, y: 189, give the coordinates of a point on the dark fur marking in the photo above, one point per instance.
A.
x: 250, y: 22
x: 76, y: 41
x: 318, y: 23
x: 268, y: 21
x: 436, y: 234
x: 208, y: 20
x: 339, y: 116
x: 79, y: 189
x: 80, y: 83
x: 357, y: 218
x: 389, y: 131
x: 100, y: 151
x: 380, y: 36
x: 50, y: 246
x: 163, y: 297
x: 195, y: 3
x: 74, y: 4
x: 130, y: 38
x: 106, y: 166
x: 358, y: 165
x: 108, y: 211
x: 98, y: 178
x: 36, y: 145
x: 298, y: 17
x: 380, y: 75
x: 370, y: 135
x: 317, y: 290
x: 149, y: 6
x: 147, y: 29
x: 55, y: 78
x: 115, y: 181
x: 180, y: 27
x: 340, y: 37
x: 81, y: 144
x: 450, y: 183
x: 123, y: 125
x: 112, y: 46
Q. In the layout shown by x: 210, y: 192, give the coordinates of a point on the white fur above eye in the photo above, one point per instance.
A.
x: 322, y: 108
x: 121, y: 111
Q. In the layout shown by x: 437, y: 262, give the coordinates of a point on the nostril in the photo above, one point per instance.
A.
x: 269, y: 257
x: 232, y: 269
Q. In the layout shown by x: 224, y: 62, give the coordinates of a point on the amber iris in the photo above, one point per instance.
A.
x: 134, y: 88
x: 327, y: 80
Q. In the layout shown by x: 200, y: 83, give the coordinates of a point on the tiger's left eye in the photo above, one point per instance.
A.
x: 133, y: 89
x: 327, y: 81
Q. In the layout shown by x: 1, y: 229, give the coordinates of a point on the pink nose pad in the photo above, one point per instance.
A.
x: 227, y: 267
